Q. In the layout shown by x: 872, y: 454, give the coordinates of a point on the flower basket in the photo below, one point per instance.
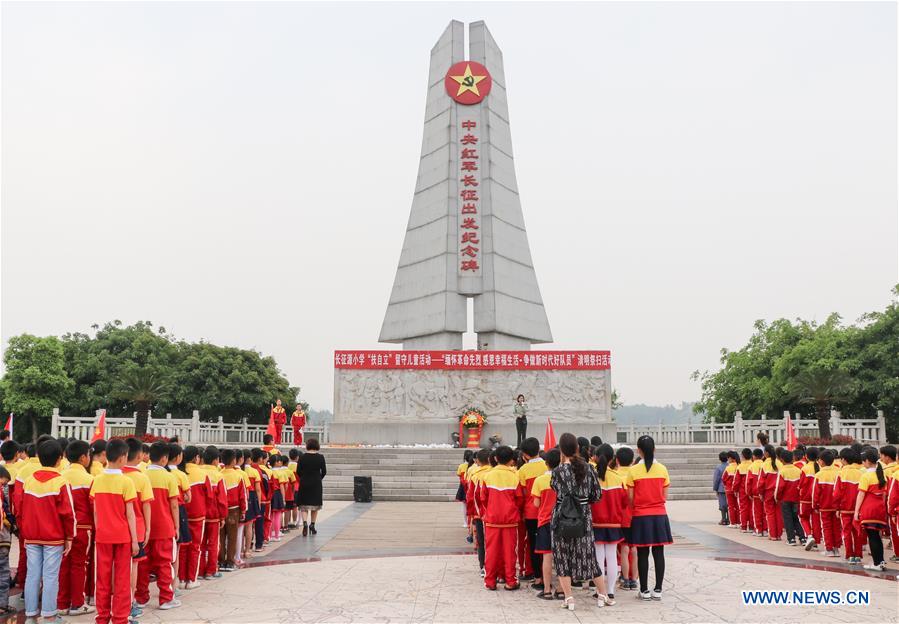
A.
x: 471, y: 425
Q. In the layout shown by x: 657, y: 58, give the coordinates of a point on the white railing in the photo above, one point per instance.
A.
x: 188, y: 430
x: 743, y: 432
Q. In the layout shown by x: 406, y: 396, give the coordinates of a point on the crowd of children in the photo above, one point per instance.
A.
x: 513, y: 511
x: 97, y: 523
x: 820, y: 498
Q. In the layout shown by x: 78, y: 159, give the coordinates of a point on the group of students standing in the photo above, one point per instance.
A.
x: 97, y: 523
x: 581, y: 510
x: 817, y: 496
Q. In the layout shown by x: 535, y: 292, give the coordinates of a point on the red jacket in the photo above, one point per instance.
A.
x: 80, y: 481
x: 786, y: 488
x: 822, y: 489
x: 893, y: 495
x: 526, y: 475
x: 200, y: 493
x: 232, y: 479
x: 500, y: 497
x: 806, y: 481
x: 217, y: 505
x: 609, y: 510
x: 845, y: 489
x: 472, y: 491
x: 48, y: 513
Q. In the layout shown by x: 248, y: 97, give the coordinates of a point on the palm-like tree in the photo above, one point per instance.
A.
x: 143, y: 387
x: 821, y: 388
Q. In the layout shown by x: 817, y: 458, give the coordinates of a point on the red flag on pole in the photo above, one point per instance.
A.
x: 549, y: 438
x: 791, y: 434
x: 100, y: 428
x: 8, y: 426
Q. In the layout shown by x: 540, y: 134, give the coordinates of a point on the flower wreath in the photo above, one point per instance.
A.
x: 472, y: 418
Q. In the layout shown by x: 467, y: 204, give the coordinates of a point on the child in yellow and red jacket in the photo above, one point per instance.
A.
x: 165, y: 520
x: 116, y: 539
x: 741, y: 476
x: 767, y: 481
x: 216, y: 512
x: 888, y: 461
x: 870, y: 509
x: 845, y: 491
x: 201, y: 497
x: 755, y: 492
x: 543, y: 497
x: 786, y: 495
x: 809, y: 519
x: 73, y: 572
x: 627, y: 552
x: 500, y: 497
x: 824, y: 503
x: 475, y: 476
x: 729, y: 478
x: 47, y: 526
x: 533, y: 467
x: 461, y: 472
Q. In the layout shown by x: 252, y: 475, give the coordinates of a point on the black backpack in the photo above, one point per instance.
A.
x: 572, y: 522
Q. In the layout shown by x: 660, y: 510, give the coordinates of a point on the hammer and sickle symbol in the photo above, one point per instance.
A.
x: 468, y: 81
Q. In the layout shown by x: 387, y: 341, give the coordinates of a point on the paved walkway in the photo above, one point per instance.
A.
x: 408, y: 562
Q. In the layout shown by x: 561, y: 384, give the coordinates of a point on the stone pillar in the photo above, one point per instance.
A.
x: 54, y: 423
x: 195, y: 427
x: 835, y: 426
x: 738, y: 428
x: 881, y: 427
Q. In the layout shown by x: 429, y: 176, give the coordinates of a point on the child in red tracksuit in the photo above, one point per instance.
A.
x: 216, y: 512
x: 530, y: 470
x: 73, y: 573
x: 740, y: 479
x: 500, y: 497
x: 164, y: 522
x: 824, y: 503
x: 200, y: 499
x: 810, y: 520
x: 845, y: 491
x: 729, y: 478
x: 786, y: 495
x: 767, y: 481
x: 482, y: 466
x: 113, y: 495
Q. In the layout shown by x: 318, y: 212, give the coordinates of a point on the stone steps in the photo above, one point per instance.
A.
x: 429, y: 474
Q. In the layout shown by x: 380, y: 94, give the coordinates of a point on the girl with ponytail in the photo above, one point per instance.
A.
x: 650, y: 529
x: 870, y: 507
x: 608, y: 513
x: 809, y: 519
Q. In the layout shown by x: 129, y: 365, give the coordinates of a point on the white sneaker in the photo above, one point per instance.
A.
x: 656, y: 594
x: 483, y: 573
x: 171, y: 604
x: 643, y: 595
x: 192, y: 585
x: 876, y: 567
x: 82, y: 610
x: 810, y: 543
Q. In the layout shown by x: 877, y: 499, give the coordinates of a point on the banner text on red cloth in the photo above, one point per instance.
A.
x: 475, y: 360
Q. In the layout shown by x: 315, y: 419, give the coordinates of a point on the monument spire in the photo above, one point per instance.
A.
x: 466, y: 235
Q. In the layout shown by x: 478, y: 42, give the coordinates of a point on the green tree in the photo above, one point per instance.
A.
x: 820, y: 388
x: 35, y: 381
x: 143, y: 387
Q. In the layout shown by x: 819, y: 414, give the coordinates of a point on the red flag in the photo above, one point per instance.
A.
x: 8, y: 426
x: 791, y: 434
x: 100, y: 428
x: 549, y: 438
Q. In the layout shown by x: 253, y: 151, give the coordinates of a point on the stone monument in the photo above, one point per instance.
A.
x: 466, y: 238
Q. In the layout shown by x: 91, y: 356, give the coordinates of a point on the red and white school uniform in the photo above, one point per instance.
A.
x: 542, y: 490
x: 73, y: 571
x: 111, y: 493
x: 825, y: 504
x: 845, y: 492
x: 873, y: 512
x: 161, y: 546
x: 649, y: 524
x: 808, y: 518
x: 729, y: 478
x: 201, y: 497
x: 500, y: 498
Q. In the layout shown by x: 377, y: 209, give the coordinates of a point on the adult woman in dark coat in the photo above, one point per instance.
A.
x: 310, y: 471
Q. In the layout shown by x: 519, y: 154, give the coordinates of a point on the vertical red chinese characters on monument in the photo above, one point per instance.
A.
x: 469, y: 199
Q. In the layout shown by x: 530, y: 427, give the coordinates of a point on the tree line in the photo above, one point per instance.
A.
x: 811, y: 368
x: 139, y: 367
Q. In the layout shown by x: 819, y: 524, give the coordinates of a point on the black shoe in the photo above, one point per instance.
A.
x: 312, y: 529
x: 577, y: 583
x: 526, y: 577
x: 305, y: 529
x: 538, y: 586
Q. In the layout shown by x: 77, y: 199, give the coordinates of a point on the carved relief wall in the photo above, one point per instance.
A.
x: 438, y: 395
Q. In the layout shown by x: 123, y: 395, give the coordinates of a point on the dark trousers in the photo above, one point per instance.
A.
x: 790, y: 514
x: 521, y: 428
x: 530, y: 525
x: 479, y: 535
x: 259, y: 528
x: 875, y: 544
x: 658, y: 563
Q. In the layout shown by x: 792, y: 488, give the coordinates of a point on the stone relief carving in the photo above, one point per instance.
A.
x: 435, y: 395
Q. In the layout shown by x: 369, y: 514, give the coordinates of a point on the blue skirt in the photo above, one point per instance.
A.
x: 184, y: 536
x: 277, y: 500
x: 651, y: 531
x: 253, y: 511
x: 607, y: 535
x: 543, y: 543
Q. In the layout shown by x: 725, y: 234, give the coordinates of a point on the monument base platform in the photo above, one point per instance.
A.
x: 391, y: 433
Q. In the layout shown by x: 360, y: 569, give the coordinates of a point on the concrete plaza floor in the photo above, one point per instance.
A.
x: 409, y: 562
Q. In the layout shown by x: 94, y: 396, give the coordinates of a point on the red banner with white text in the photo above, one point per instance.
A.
x: 474, y: 360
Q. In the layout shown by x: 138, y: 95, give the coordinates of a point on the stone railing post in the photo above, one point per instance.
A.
x: 881, y: 427
x: 659, y: 437
x: 244, y: 430
x: 221, y: 433
x: 54, y: 423
x: 738, y: 428
x: 835, y: 424
x: 195, y: 426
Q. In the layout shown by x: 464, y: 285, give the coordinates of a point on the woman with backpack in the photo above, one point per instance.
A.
x: 647, y: 484
x: 576, y: 486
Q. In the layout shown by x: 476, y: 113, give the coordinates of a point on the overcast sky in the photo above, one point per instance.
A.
x: 243, y: 173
